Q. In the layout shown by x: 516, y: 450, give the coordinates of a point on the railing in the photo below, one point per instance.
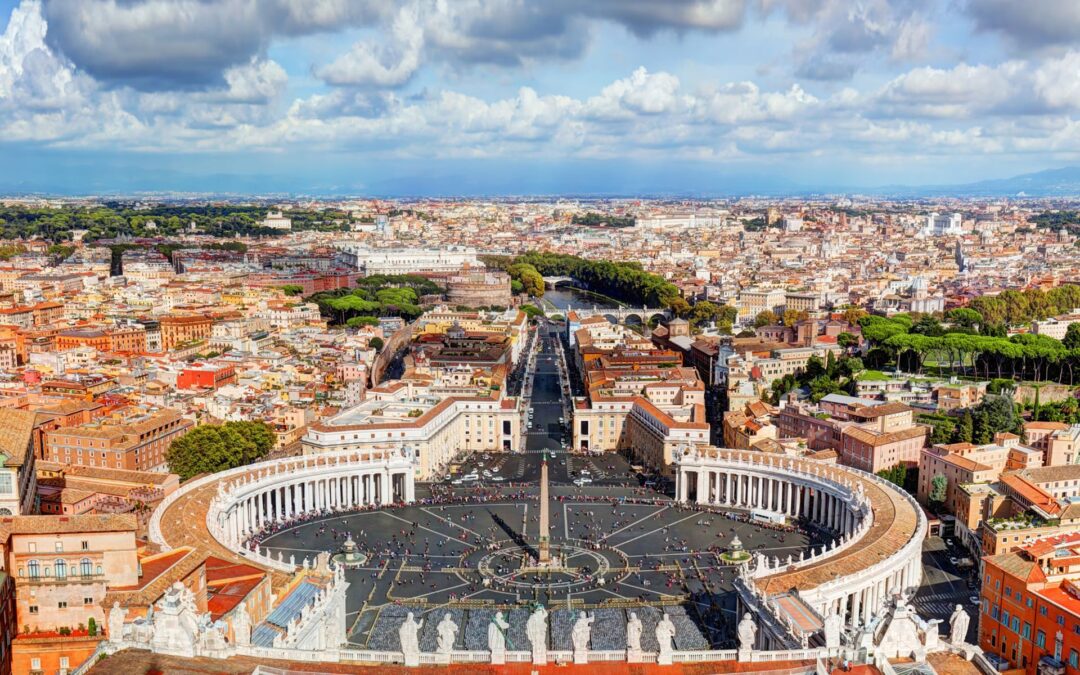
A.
x: 103, y: 649
x: 695, y: 657
x: 554, y: 656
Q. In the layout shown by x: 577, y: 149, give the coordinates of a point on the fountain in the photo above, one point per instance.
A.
x: 349, y: 555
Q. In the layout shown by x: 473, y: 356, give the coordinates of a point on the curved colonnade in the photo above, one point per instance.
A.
x: 876, y: 553
x: 253, y: 497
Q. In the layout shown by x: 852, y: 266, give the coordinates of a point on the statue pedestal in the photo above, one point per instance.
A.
x: 539, y: 659
x: 411, y: 659
x: 498, y: 658
x: 744, y: 654
x: 442, y: 658
x: 634, y: 656
x: 664, y: 657
x: 581, y: 656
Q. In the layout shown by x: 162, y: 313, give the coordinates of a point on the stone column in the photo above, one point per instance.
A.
x: 387, y: 492
x: 727, y: 488
x: 702, y: 490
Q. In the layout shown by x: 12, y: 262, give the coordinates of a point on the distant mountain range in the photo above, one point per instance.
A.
x: 1063, y: 182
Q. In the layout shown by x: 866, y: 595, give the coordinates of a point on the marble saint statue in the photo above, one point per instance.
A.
x: 958, y: 625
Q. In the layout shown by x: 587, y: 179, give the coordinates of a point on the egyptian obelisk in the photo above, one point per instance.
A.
x: 545, y: 525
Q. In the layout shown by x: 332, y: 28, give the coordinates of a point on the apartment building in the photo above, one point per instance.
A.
x: 1030, y: 606
x: 124, y: 339
x: 1059, y: 442
x: 131, y: 439
x: 63, y: 567
x: 178, y: 330
x: 743, y: 429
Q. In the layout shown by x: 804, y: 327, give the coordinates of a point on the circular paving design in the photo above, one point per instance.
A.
x: 617, y: 551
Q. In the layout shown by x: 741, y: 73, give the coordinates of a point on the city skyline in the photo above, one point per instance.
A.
x: 697, y: 97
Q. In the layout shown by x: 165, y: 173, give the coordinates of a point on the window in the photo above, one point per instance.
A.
x: 85, y: 545
x: 1042, y: 611
x: 7, y: 485
x: 88, y: 601
x: 85, y: 567
x: 35, y: 663
x: 62, y: 604
x: 1040, y: 639
x: 32, y: 547
x: 34, y: 569
x: 1016, y: 625
x: 61, y: 569
x: 1060, y: 620
x: 1074, y: 658
x: 59, y: 547
x: 33, y: 609
x: 1027, y: 630
x: 64, y: 663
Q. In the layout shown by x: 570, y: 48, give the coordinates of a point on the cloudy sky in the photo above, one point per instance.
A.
x: 504, y: 96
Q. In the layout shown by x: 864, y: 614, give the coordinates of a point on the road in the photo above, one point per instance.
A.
x: 944, y: 587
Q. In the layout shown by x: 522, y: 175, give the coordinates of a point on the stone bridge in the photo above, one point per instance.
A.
x: 552, y: 282
x: 623, y: 314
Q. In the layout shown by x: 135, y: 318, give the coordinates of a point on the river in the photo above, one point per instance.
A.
x: 567, y: 298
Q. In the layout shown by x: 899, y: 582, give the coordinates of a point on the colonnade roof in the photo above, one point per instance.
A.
x: 183, y: 523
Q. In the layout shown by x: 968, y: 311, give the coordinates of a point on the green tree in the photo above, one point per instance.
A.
x: 938, y: 486
x: 965, y: 430
x: 531, y: 279
x: 990, y: 308
x: 357, y: 321
x: 853, y: 314
x: 847, y: 340
x: 213, y: 448
x: 532, y: 311
x: 765, y: 318
x: 792, y: 317
x: 376, y: 343
x: 1072, y: 336
x: 292, y: 289
x: 897, y: 474
x: 703, y: 312
x: 964, y: 317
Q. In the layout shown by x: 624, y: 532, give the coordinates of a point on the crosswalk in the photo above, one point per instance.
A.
x: 939, y: 605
